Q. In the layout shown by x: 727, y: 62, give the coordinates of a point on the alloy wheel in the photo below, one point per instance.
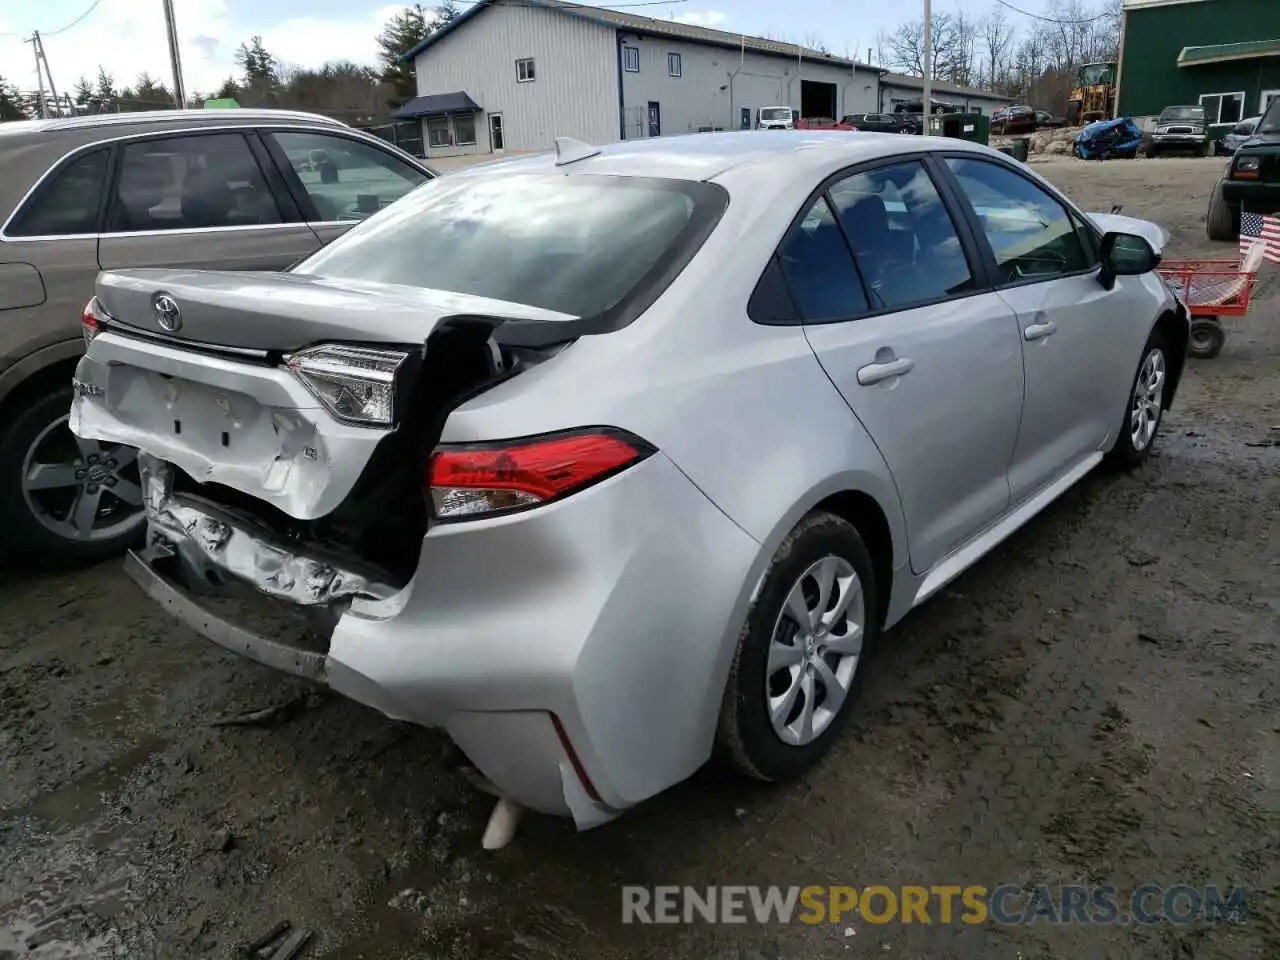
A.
x: 1148, y: 397
x: 81, y: 490
x: 814, y: 650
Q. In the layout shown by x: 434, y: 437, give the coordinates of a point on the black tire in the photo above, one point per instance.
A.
x: 25, y: 537
x: 1222, y: 221
x: 1126, y: 454
x: 1152, y: 151
x: 1207, y: 338
x: 746, y: 737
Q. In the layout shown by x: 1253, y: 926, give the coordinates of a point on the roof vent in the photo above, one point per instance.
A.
x: 569, y: 150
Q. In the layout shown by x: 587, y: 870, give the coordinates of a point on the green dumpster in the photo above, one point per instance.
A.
x: 975, y: 127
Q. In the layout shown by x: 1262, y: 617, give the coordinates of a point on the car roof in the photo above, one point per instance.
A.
x: 705, y: 156
x: 143, y: 118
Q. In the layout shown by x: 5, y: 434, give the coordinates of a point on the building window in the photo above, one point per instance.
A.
x: 1265, y: 99
x: 673, y: 65
x: 631, y: 59
x: 438, y: 132
x: 1223, y: 107
x: 524, y: 70
x: 464, y: 130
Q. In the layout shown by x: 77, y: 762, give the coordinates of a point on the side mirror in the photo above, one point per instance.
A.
x: 1125, y: 255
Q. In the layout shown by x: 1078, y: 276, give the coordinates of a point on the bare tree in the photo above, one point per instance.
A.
x: 996, y: 36
x: 814, y: 42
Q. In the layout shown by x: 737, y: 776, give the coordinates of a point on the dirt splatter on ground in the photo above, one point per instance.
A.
x: 1095, y: 703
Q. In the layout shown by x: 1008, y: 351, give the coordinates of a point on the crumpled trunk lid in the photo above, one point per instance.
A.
x: 280, y: 312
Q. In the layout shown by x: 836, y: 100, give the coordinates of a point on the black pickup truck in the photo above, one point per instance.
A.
x: 1252, y: 179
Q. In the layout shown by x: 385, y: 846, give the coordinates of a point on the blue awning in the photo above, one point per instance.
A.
x: 436, y: 105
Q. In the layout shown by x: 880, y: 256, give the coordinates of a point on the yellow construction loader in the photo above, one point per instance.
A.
x: 1093, y: 95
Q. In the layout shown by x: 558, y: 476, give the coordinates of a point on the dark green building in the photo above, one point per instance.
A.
x: 1223, y: 54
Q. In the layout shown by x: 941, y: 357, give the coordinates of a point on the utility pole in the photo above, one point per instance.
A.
x: 34, y: 40
x: 175, y: 61
x: 926, y: 94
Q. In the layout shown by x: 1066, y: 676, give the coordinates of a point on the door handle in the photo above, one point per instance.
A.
x: 875, y: 372
x: 1038, y: 331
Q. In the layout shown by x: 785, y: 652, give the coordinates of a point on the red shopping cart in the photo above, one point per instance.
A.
x: 1212, y: 290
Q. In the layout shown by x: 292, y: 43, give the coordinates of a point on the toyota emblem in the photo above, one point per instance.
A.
x: 167, y: 313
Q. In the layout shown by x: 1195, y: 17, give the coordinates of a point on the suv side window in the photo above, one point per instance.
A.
x: 819, y: 269
x: 346, y: 179
x: 67, y: 205
x: 1033, y: 236
x: 191, y: 183
x: 903, y: 238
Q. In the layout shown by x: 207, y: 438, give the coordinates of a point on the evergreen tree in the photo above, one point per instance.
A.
x: 10, y: 103
x: 404, y: 31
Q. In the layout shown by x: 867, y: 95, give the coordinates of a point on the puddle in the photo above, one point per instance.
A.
x: 69, y: 866
x: 80, y: 801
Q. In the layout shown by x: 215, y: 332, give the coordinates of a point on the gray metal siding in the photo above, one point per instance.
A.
x: 575, y: 92
x: 716, y: 83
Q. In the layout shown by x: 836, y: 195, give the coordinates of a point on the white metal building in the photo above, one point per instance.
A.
x: 515, y: 74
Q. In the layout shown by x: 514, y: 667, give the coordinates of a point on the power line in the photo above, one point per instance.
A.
x: 53, y: 33
x: 1037, y: 16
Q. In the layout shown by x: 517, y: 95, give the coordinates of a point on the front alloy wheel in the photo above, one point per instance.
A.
x: 1148, y: 400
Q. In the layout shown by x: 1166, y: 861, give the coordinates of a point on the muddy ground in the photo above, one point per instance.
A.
x: 1095, y: 703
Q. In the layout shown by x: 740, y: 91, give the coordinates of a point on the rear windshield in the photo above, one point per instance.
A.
x: 1182, y: 113
x: 574, y: 244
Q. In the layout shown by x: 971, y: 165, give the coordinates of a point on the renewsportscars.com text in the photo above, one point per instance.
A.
x: 938, y: 904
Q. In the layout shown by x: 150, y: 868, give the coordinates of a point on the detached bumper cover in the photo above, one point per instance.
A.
x: 576, y: 652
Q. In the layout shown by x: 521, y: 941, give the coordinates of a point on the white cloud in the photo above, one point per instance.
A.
x: 702, y: 18
x: 127, y: 37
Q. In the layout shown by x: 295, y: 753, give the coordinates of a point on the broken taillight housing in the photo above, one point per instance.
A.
x: 93, y: 320
x: 355, y: 384
x: 469, y: 481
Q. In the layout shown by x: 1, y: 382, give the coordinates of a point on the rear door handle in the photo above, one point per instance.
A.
x: 1038, y: 331
x: 875, y: 372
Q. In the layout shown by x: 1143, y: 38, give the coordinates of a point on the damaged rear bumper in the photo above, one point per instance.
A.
x: 576, y: 653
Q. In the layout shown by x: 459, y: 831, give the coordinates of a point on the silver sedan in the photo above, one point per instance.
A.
x: 604, y: 460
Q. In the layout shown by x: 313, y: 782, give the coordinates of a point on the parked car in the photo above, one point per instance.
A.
x: 1045, y: 119
x: 596, y: 489
x: 1251, y: 177
x: 823, y: 123
x: 878, y: 122
x: 233, y: 189
x: 1014, y: 120
x: 775, y: 118
x: 1240, y: 133
x: 1181, y: 129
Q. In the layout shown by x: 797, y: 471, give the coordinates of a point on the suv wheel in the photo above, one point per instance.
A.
x: 1222, y: 222
x: 63, y: 498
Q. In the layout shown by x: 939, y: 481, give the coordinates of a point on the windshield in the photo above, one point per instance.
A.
x: 1182, y: 113
x: 1095, y: 73
x: 1244, y: 128
x: 1271, y: 119
x: 775, y: 113
x: 573, y: 244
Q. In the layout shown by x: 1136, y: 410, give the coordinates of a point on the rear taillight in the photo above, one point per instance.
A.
x: 468, y: 481
x: 93, y: 320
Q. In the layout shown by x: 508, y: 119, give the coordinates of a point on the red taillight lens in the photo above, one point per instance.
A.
x: 93, y: 320
x: 474, y: 480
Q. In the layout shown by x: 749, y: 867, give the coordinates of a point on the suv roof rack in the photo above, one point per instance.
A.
x: 213, y: 116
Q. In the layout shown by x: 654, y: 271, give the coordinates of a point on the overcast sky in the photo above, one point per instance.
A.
x: 127, y: 36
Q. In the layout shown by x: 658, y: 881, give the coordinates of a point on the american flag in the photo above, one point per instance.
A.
x: 1263, y: 229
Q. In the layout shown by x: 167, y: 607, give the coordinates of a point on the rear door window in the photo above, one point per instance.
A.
x: 67, y: 204
x: 903, y: 238
x: 346, y: 179
x: 191, y: 183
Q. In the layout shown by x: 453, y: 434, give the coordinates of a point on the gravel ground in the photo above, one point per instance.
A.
x: 1096, y: 702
